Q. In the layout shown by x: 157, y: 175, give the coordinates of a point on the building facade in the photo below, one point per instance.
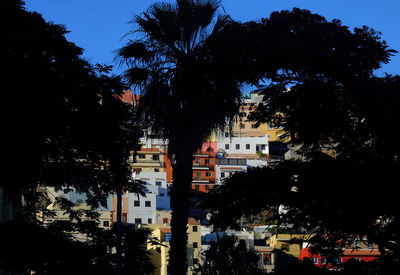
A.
x: 224, y: 167
x: 203, y: 171
x: 243, y: 147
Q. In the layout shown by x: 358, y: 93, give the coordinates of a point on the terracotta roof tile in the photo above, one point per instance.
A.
x: 361, y: 252
x: 165, y: 230
x: 192, y: 221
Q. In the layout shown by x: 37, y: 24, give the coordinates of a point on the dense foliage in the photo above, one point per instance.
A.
x: 228, y: 255
x: 64, y: 125
x: 318, y: 85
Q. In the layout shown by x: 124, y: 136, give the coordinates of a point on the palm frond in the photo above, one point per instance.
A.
x: 222, y: 21
x: 204, y: 13
x: 135, y: 76
x: 136, y: 50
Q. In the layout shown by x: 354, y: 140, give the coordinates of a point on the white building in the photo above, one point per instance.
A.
x: 243, y: 146
x: 143, y: 209
x: 224, y: 167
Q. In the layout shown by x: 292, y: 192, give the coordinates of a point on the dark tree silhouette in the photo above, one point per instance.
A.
x: 228, y: 255
x: 65, y: 124
x: 187, y: 89
x: 54, y: 249
x: 61, y: 115
x: 322, y: 91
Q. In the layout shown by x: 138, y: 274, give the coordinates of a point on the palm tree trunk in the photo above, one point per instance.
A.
x: 180, y: 203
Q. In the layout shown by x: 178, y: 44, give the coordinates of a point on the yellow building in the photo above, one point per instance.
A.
x: 159, y: 253
x: 61, y: 215
x: 242, y: 127
x: 289, y: 243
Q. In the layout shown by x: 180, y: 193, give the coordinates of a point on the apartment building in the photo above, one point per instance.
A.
x: 224, y: 167
x: 203, y: 171
x: 143, y: 209
x: 243, y: 147
x: 159, y: 253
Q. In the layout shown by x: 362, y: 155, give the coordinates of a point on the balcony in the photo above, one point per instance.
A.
x: 147, y: 163
x: 199, y: 166
x: 203, y: 180
x: 201, y: 156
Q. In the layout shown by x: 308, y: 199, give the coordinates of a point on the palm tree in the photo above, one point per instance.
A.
x: 187, y: 90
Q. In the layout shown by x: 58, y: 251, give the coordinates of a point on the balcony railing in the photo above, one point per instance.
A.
x: 203, y: 180
x: 202, y: 166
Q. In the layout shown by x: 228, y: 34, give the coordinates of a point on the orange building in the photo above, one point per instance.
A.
x: 203, y: 171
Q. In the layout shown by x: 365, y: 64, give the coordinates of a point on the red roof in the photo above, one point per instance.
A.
x: 192, y: 221
x: 361, y: 252
x: 130, y: 98
x: 165, y: 230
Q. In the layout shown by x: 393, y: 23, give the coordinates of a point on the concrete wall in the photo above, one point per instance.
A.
x: 230, y: 145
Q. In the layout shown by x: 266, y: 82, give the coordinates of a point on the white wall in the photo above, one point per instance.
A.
x: 156, y: 194
x: 142, y: 212
x: 226, y: 169
x: 254, y: 143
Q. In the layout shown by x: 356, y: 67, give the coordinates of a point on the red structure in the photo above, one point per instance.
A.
x: 360, y: 254
x: 203, y: 171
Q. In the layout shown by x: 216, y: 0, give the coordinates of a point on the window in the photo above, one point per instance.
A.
x: 106, y: 223
x: 197, y: 187
x: 138, y: 170
x: 315, y: 260
x: 124, y: 217
x: 198, y: 161
x: 167, y: 237
x: 165, y: 220
x: 198, y: 175
x: 138, y: 221
x: 263, y: 147
x: 156, y: 170
x: 162, y: 194
x: 147, y: 203
x: 194, y: 228
x: 207, y: 161
x: 237, y: 146
x: 226, y: 146
x: 253, y: 126
x: 136, y: 203
x: 207, y: 187
x: 222, y: 175
x: 149, y: 221
x: 242, y: 126
x: 208, y: 174
x: 195, y: 245
x: 158, y: 183
x: 142, y: 156
x: 323, y: 260
x: 226, y: 134
x: 247, y: 146
x: 156, y: 157
x: 338, y: 260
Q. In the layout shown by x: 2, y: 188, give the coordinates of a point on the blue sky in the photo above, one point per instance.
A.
x: 98, y: 25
